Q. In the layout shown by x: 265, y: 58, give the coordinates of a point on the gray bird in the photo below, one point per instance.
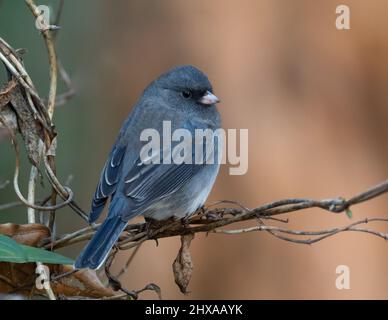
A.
x: 183, y: 96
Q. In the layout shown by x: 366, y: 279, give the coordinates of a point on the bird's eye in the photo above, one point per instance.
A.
x: 187, y: 94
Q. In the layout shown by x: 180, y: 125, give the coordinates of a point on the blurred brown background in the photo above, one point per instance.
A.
x: 313, y: 98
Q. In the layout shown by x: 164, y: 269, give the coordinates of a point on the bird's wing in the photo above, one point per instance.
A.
x: 146, y: 184
x: 108, y: 181
x: 152, y: 182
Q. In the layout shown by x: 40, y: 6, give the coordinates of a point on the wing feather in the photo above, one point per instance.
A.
x: 108, y: 181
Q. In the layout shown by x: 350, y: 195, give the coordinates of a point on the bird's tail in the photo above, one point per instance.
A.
x: 97, y: 250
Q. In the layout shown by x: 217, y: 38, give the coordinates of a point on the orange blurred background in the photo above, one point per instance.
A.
x: 313, y: 98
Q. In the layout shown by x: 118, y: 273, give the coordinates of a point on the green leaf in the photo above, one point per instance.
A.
x: 349, y: 213
x: 11, y: 251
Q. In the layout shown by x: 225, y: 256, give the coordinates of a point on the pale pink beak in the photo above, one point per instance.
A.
x: 209, y: 99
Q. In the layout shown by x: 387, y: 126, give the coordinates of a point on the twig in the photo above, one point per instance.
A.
x: 31, y: 193
x: 58, y: 17
x: 129, y: 261
x: 70, y: 91
x: 64, y: 192
x: 63, y: 275
x: 10, y: 205
x: 136, y: 234
x: 322, y: 233
x: 31, y: 219
x: 116, y: 285
x: 52, y: 60
x: 16, y: 183
x: 70, y: 237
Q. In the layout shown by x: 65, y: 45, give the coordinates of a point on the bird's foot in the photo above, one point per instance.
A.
x: 153, y: 225
x: 149, y: 226
x: 185, y: 221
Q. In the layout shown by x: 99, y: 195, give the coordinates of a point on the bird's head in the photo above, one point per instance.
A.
x: 185, y: 86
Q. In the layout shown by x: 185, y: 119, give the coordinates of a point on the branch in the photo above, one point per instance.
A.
x: 211, y: 220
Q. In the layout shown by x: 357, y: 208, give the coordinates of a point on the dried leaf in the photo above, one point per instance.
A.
x: 20, y: 277
x: 32, y: 119
x: 15, y: 277
x: 29, y: 127
x: 16, y: 114
x: 7, y: 115
x: 183, y: 265
x: 83, y: 283
x: 5, y: 93
x: 8, y: 120
x: 28, y: 234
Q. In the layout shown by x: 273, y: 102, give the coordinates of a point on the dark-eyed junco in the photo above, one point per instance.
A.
x: 183, y: 98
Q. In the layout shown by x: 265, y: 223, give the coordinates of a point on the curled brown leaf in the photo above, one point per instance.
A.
x: 28, y: 234
x: 183, y: 265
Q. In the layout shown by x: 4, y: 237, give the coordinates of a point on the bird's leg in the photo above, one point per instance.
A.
x: 148, y: 225
x: 152, y: 225
x: 202, y: 211
x: 185, y: 221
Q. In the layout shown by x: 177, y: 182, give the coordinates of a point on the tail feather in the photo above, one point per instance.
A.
x: 97, y: 250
